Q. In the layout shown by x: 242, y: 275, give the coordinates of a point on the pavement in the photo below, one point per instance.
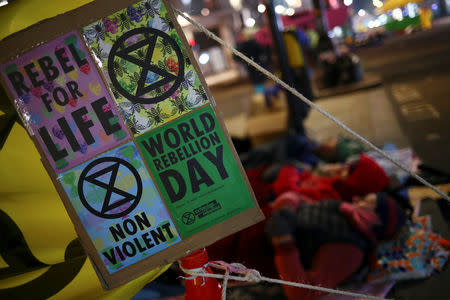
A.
x: 369, y: 80
x: 368, y: 112
x: 416, y: 73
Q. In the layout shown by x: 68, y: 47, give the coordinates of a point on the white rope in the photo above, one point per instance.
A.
x: 309, y: 102
x: 253, y: 276
x: 225, y: 284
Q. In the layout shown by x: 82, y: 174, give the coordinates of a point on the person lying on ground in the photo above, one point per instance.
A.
x: 325, y: 243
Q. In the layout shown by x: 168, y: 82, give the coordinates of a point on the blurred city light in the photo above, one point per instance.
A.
x: 361, y: 12
x: 3, y: 3
x: 182, y: 21
x: 397, y: 14
x: 377, y: 3
x: 294, y: 3
x: 203, y: 58
x: 236, y: 4
x: 279, y: 9
x: 383, y: 19
x: 348, y: 2
x: 434, y: 6
x: 261, y: 8
x: 374, y: 24
x: 290, y: 11
x: 205, y: 12
x: 250, y: 22
x: 333, y: 4
x: 411, y: 8
x: 186, y: 2
x: 338, y: 32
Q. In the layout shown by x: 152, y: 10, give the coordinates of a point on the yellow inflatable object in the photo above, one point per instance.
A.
x: 20, y: 14
x: 40, y: 255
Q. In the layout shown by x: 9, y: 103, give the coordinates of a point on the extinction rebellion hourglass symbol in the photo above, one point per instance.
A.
x: 102, y: 175
x: 139, y: 47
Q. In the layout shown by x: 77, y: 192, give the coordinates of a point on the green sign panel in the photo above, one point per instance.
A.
x: 195, y: 170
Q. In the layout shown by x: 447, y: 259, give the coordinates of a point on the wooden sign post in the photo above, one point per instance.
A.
x: 127, y: 130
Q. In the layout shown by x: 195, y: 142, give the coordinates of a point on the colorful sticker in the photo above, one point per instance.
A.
x: 120, y: 207
x: 196, y: 171
x: 68, y: 108
x: 146, y: 65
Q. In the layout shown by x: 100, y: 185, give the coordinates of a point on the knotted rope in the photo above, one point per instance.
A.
x: 253, y: 276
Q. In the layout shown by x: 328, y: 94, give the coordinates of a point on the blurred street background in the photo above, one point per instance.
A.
x: 416, y: 74
x: 402, y: 52
x: 381, y: 67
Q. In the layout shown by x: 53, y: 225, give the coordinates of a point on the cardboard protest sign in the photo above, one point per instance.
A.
x: 149, y: 72
x: 128, y: 133
x: 120, y: 207
x: 195, y: 171
x: 60, y: 93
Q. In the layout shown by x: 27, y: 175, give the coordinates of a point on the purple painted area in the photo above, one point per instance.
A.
x: 66, y: 103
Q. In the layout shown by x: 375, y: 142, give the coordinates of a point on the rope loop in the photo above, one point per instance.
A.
x: 243, y: 274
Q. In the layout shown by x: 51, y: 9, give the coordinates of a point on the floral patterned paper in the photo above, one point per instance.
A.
x: 142, y: 117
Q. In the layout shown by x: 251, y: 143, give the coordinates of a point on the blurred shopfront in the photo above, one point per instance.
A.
x: 215, y: 61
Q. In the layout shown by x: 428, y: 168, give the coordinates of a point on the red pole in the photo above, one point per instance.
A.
x: 200, y: 287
